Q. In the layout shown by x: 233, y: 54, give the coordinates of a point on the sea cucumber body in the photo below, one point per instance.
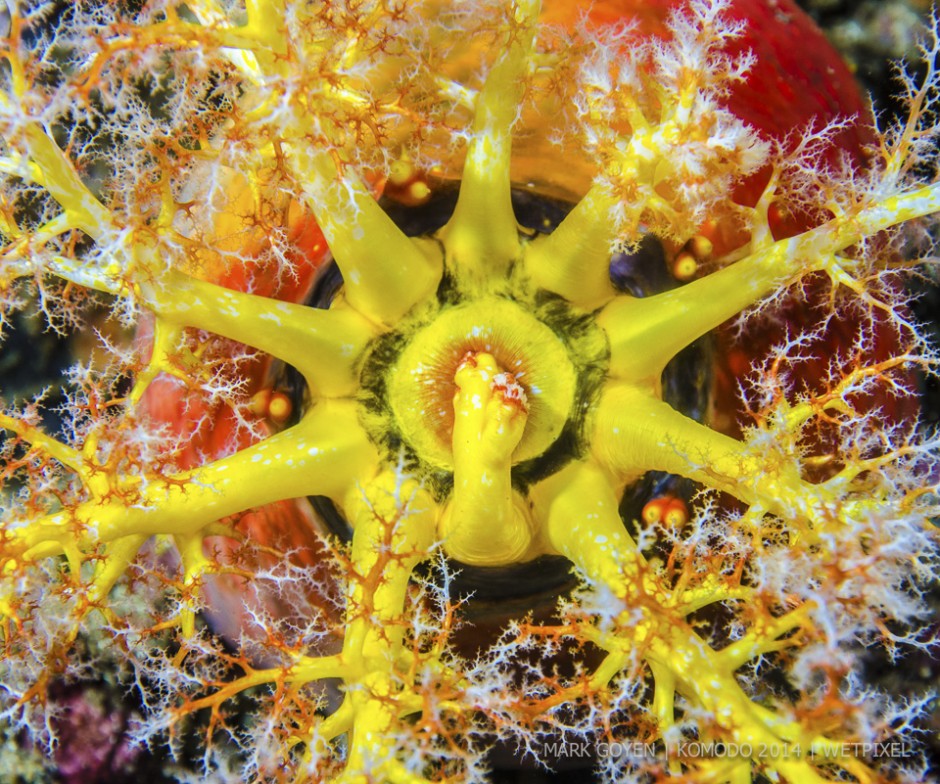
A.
x: 797, y: 79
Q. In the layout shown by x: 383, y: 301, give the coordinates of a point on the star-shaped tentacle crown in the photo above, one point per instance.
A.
x: 484, y: 390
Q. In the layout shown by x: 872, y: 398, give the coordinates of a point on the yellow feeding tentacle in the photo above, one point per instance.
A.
x: 385, y: 273
x: 326, y: 453
x: 582, y: 522
x: 481, y: 236
x: 65, y: 185
x: 322, y: 344
x: 674, y: 319
x: 574, y: 260
x: 635, y: 432
x: 392, y: 532
x: 109, y: 569
x: 483, y: 524
x: 393, y: 528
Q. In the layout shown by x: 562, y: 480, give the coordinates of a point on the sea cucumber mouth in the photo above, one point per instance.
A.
x: 422, y: 382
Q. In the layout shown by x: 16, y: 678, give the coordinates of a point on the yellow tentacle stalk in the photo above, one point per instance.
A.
x: 482, y: 236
